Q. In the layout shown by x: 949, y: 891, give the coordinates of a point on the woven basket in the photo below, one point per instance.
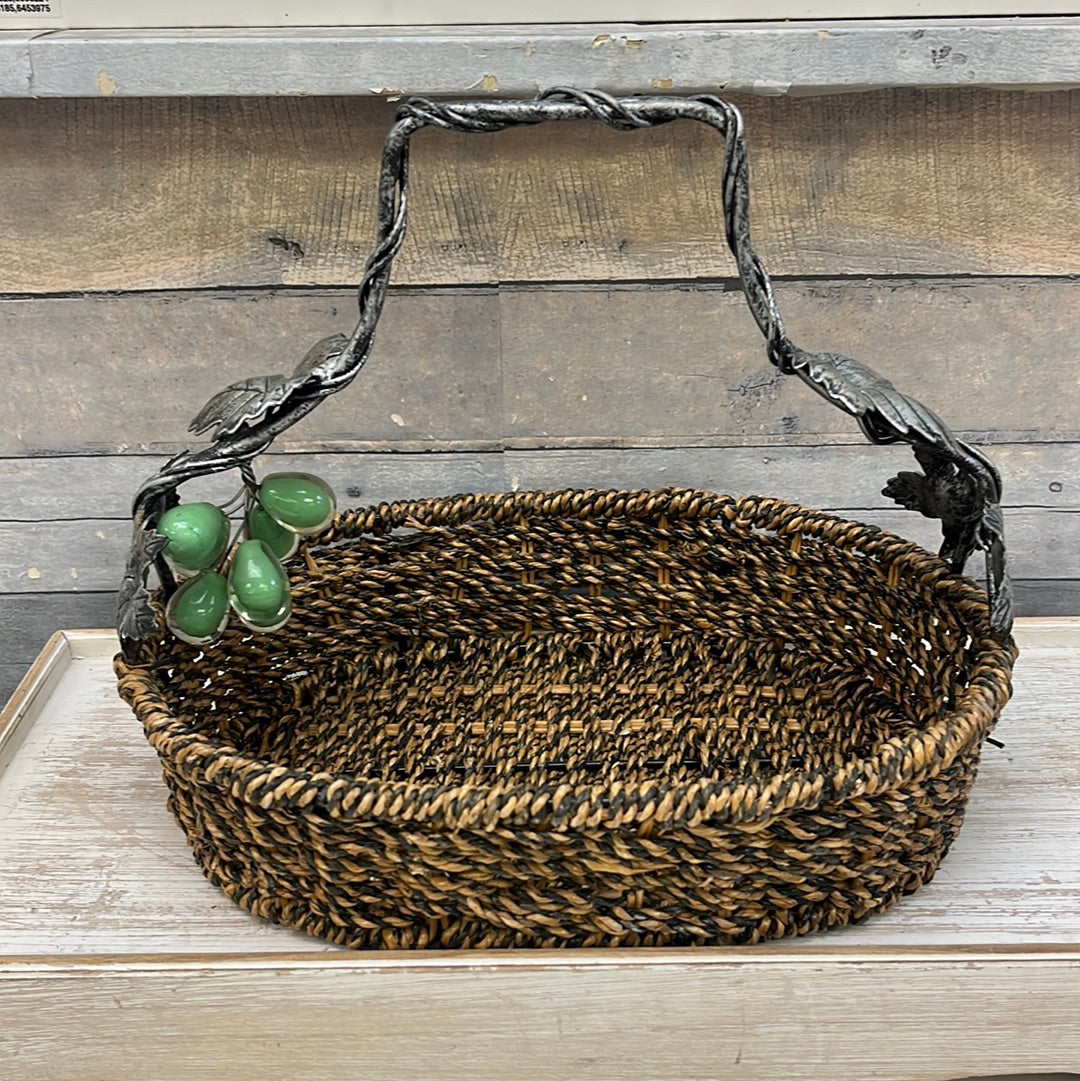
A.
x: 581, y: 718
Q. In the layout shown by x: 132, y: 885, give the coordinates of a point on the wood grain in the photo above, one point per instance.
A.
x: 777, y: 58
x: 64, y: 542
x: 893, y: 1021
x: 671, y: 363
x: 124, y: 372
x: 531, y: 367
x: 150, y: 193
x: 10, y: 675
x: 28, y: 621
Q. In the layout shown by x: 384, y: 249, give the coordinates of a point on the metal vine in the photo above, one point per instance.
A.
x: 957, y: 484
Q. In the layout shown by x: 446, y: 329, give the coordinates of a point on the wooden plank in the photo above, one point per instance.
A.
x: 103, y: 486
x: 621, y: 57
x: 1048, y: 597
x: 161, y: 193
x: 1041, y: 475
x: 600, y: 366
x: 1038, y: 475
x: 31, y: 696
x: 28, y: 621
x: 687, y: 1021
x: 683, y: 362
x: 78, y: 373
x: 1009, y: 883
x: 10, y: 676
x: 16, y: 73
x: 474, y: 17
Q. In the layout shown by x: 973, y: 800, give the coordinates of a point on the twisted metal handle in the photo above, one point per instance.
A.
x: 958, y: 484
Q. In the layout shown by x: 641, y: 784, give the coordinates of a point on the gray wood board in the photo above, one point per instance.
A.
x: 126, y: 371
x: 16, y: 75
x: 143, y: 193
x: 766, y: 58
x: 1036, y: 476
x: 528, y: 367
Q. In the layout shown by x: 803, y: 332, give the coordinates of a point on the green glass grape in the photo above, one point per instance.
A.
x: 300, y: 502
x: 260, y: 526
x: 199, y: 609
x: 258, y: 586
x: 198, y: 535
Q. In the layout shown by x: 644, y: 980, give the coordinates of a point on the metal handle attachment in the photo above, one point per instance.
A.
x: 957, y: 484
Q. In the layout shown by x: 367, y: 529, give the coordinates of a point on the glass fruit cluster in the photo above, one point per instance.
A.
x: 247, y: 577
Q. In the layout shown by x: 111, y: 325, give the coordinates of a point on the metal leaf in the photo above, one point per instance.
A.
x: 885, y: 413
x: 240, y: 404
x: 134, y: 616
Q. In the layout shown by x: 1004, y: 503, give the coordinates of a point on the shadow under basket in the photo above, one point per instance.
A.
x: 582, y: 719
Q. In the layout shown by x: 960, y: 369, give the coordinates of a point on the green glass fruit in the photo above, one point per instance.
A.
x: 198, y: 611
x: 263, y: 623
x: 302, y: 503
x: 260, y: 526
x: 198, y: 536
x: 258, y: 586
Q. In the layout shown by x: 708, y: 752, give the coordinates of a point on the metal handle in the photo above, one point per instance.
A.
x: 958, y: 484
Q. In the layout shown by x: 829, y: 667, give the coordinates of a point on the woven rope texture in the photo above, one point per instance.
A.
x: 582, y: 718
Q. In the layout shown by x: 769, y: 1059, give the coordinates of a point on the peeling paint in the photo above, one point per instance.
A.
x: 632, y: 43
x: 489, y: 82
x: 33, y: 574
x: 823, y: 35
x: 770, y: 89
x: 662, y: 84
x: 530, y: 48
x: 601, y: 39
x: 106, y: 84
x: 398, y: 419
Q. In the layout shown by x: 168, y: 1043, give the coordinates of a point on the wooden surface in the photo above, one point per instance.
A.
x: 767, y: 58
x: 117, y: 960
x: 600, y: 366
x: 182, y: 193
x: 681, y: 1020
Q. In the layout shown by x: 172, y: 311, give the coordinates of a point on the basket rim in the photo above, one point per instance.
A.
x: 899, y: 761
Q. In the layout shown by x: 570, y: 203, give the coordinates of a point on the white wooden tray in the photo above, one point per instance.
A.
x: 118, y: 960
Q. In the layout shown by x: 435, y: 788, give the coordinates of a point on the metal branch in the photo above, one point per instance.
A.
x: 958, y: 485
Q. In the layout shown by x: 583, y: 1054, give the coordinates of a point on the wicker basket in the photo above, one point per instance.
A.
x: 581, y: 718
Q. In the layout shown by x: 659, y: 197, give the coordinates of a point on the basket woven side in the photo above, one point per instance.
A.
x: 580, y: 719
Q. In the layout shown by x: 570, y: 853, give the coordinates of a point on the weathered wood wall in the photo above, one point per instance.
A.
x: 565, y: 311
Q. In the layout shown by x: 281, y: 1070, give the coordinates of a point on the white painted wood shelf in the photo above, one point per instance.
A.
x: 118, y: 960
x: 784, y: 57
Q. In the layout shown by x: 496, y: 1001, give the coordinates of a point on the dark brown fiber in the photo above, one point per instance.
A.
x: 582, y: 718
